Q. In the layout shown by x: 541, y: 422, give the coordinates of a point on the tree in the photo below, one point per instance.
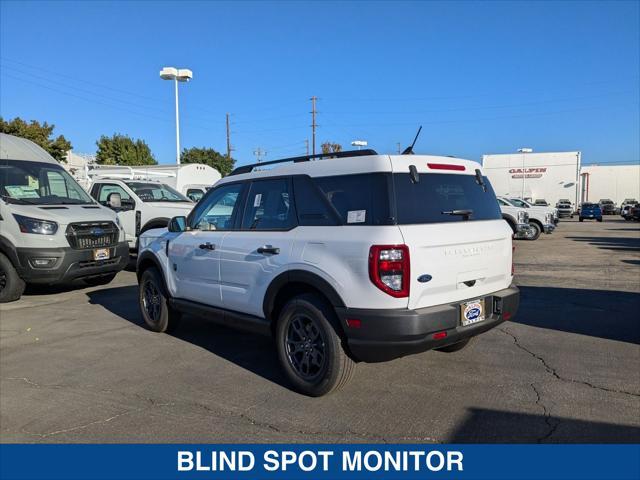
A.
x: 40, y: 134
x: 123, y: 150
x: 329, y: 147
x: 210, y: 157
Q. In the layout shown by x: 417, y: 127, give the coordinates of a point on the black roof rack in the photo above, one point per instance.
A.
x: 304, y: 158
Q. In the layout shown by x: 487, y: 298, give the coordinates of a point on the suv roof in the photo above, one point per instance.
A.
x: 353, y: 162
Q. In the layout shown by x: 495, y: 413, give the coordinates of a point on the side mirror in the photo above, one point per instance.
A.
x: 177, y: 224
x: 114, y: 201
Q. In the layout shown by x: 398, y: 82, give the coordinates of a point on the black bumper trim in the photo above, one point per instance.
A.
x: 71, y: 264
x: 388, y: 334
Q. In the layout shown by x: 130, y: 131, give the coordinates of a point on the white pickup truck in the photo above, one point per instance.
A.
x: 541, y: 219
x: 518, y: 220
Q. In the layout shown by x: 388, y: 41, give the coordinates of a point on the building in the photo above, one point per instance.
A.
x: 77, y: 165
x: 535, y: 175
x: 614, y: 182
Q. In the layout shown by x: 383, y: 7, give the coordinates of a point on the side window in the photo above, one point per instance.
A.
x: 311, y: 207
x: 216, y: 212
x: 502, y: 202
x: 269, y: 206
x: 108, y: 188
x: 57, y: 185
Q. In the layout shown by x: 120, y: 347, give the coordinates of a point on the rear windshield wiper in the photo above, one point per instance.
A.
x: 463, y: 213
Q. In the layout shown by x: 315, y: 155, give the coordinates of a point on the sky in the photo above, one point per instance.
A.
x: 480, y: 77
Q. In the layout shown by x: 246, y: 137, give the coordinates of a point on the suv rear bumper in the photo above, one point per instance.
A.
x: 387, y: 334
x: 70, y: 264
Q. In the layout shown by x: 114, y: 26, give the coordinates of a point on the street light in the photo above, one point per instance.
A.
x: 177, y: 75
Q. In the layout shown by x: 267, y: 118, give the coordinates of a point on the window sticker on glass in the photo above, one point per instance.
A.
x: 21, y: 191
x: 258, y: 200
x: 356, y: 216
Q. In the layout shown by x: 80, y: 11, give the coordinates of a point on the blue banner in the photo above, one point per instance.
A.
x: 320, y: 461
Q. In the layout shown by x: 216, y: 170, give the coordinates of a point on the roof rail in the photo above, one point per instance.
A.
x: 304, y: 158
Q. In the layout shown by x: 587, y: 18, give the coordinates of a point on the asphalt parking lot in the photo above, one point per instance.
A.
x: 79, y: 366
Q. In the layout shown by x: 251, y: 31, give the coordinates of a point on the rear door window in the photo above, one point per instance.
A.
x: 436, y: 196
x: 269, y: 206
x: 360, y: 199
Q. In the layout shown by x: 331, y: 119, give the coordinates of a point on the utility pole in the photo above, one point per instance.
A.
x: 259, y: 153
x: 313, y: 123
x: 229, y: 149
x: 306, y: 143
x: 399, y: 151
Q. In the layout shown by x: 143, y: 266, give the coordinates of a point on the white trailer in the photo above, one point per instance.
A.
x: 191, y: 179
x: 535, y: 175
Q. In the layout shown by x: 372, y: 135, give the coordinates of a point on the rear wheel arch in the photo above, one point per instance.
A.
x: 293, y: 283
x: 510, y: 221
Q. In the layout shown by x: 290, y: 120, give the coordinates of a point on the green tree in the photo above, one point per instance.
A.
x: 40, y: 134
x: 330, y: 147
x: 210, y: 157
x: 123, y: 150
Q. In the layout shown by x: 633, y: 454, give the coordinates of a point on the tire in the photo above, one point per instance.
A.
x: 581, y: 219
x: 154, y: 303
x: 11, y: 285
x: 101, y: 280
x: 454, y: 347
x: 599, y: 219
x: 306, y: 331
x: 535, y: 231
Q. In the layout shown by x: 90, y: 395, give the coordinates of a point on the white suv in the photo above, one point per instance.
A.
x: 357, y: 257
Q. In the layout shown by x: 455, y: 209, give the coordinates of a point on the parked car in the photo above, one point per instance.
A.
x: 540, y: 218
x: 590, y: 211
x: 565, y: 209
x: 51, y: 230
x: 140, y: 205
x: 518, y: 220
x: 519, y: 202
x: 360, y: 257
x: 626, y: 211
x: 541, y: 202
x: 628, y: 201
x: 635, y: 212
x: 608, y: 207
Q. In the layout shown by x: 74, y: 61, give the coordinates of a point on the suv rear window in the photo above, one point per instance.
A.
x: 425, y: 201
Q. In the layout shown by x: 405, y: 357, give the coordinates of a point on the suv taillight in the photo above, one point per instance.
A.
x: 389, y: 269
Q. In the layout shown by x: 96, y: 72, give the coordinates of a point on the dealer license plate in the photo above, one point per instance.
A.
x: 472, y: 312
x: 101, y: 254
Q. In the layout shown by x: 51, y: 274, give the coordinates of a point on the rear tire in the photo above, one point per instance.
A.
x: 581, y: 219
x: 309, y: 349
x: 534, y: 231
x: 11, y: 285
x: 101, y: 280
x: 454, y: 347
x: 599, y: 219
x: 154, y: 303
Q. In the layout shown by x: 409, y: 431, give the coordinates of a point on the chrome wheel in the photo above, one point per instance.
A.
x: 151, y: 301
x: 305, y: 347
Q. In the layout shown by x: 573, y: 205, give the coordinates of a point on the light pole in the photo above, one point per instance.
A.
x: 177, y: 75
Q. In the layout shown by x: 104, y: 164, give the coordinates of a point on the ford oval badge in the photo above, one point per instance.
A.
x: 424, y: 278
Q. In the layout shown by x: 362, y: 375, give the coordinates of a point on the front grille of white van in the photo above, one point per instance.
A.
x: 83, y: 235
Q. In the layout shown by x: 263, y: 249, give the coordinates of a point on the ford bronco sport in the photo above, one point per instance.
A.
x: 345, y: 257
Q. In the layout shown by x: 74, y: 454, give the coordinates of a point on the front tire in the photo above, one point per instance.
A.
x: 11, y: 285
x: 154, y: 303
x: 309, y: 349
x: 534, y: 231
x: 581, y: 219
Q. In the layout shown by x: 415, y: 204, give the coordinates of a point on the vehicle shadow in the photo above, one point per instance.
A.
x: 631, y: 262
x: 252, y: 352
x: 622, y: 244
x: 605, y: 314
x: 482, y: 425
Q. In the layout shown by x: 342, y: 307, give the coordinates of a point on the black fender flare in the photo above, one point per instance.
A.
x: 158, y: 222
x: 299, y: 276
x: 510, y: 220
x: 149, y: 258
x: 9, y: 250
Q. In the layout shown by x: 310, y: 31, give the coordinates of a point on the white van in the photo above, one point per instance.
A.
x: 191, y: 179
x: 51, y: 230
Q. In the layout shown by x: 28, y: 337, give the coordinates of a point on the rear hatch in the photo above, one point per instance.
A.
x: 459, y: 245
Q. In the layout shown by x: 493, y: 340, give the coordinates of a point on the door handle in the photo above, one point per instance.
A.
x: 207, y: 246
x: 269, y: 249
